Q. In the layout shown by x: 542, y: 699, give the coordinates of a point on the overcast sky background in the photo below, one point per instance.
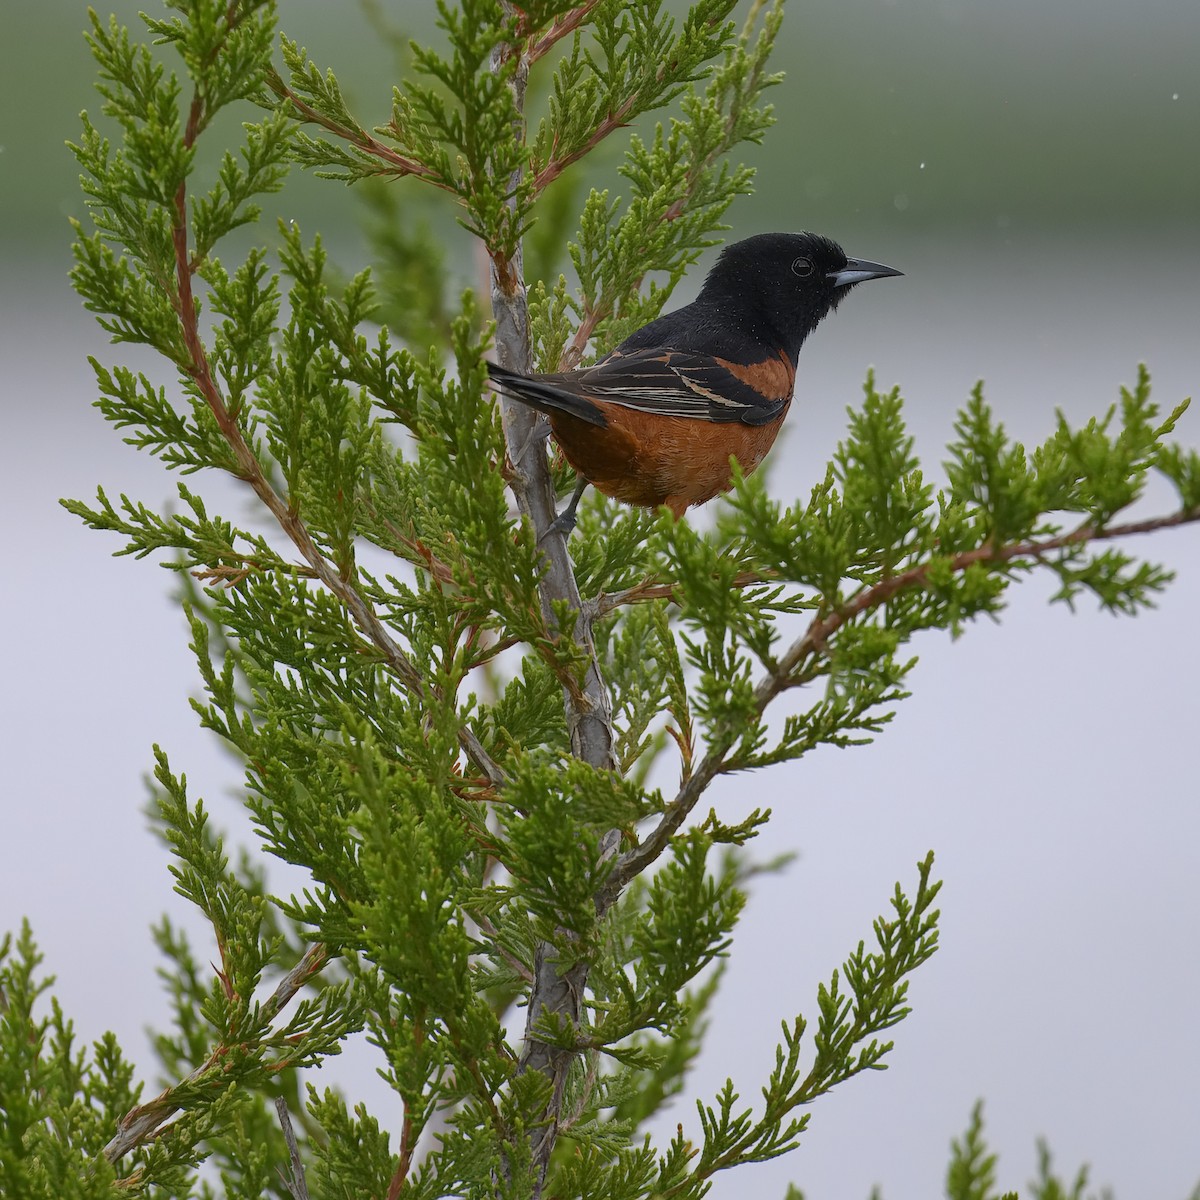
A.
x: 1034, y: 169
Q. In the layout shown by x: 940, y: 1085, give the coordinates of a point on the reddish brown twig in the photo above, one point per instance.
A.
x: 147, y: 1121
x: 574, y: 352
x: 610, y: 124
x: 650, y: 589
x: 559, y: 29
x: 400, y: 164
x: 404, y: 1161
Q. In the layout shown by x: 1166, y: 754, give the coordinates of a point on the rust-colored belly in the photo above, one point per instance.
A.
x: 648, y: 459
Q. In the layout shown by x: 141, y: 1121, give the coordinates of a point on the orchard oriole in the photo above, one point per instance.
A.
x: 657, y: 420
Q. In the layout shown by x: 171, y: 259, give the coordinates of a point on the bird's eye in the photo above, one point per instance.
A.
x: 802, y: 267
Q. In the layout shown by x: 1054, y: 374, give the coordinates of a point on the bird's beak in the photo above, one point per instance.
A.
x: 858, y: 270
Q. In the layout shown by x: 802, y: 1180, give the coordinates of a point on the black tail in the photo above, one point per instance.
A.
x: 545, y: 396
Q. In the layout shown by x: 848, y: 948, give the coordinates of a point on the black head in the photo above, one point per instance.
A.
x: 776, y: 287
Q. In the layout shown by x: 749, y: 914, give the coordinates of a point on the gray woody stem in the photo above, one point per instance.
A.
x: 589, y: 713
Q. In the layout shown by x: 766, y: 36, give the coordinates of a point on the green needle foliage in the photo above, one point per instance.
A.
x: 528, y: 932
x: 972, y: 1172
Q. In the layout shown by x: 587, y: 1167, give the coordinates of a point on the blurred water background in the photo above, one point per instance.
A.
x: 1034, y: 167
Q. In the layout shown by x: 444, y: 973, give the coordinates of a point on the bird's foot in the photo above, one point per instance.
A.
x: 564, y: 523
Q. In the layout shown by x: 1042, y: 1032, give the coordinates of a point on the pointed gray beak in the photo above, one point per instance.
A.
x: 858, y: 270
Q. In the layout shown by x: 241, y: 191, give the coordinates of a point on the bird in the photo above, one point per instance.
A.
x: 657, y: 421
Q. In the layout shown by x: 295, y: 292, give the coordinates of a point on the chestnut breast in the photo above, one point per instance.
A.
x: 649, y: 458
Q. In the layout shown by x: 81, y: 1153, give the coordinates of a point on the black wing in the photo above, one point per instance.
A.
x: 682, y: 383
x: 671, y: 383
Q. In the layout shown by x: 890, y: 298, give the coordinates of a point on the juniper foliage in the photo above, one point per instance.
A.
x: 405, y: 668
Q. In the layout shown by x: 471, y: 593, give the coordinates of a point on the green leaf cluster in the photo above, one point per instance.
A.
x: 681, y: 181
x: 58, y: 1103
x: 877, y: 555
x: 972, y: 1171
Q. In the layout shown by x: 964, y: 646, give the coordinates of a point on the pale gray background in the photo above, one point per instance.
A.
x: 1051, y: 242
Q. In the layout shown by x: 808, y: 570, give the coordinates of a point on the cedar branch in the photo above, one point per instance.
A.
x: 148, y: 1121
x: 250, y: 470
x: 400, y: 164
x: 813, y: 644
x: 559, y: 29
x: 555, y: 991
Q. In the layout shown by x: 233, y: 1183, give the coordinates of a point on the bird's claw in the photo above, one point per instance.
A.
x: 564, y: 523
